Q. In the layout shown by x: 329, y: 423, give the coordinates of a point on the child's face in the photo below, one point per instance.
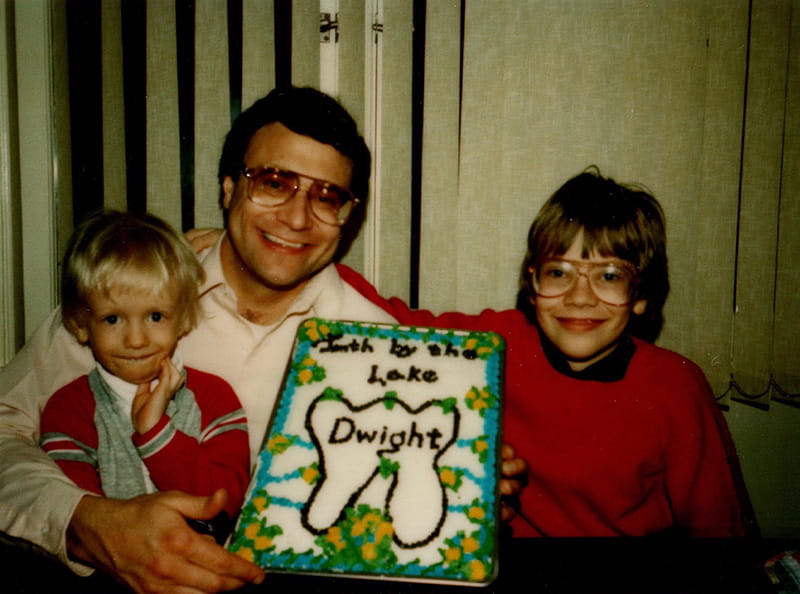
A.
x: 581, y: 325
x: 132, y: 332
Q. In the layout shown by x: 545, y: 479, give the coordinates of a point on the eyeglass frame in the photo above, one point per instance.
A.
x: 580, y: 267
x: 248, y: 173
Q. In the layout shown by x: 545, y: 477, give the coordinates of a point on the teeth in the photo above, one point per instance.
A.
x: 280, y: 241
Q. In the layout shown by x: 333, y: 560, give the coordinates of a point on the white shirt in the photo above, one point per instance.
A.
x: 37, y: 500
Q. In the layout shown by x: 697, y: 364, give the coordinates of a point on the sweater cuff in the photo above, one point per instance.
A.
x: 157, y: 437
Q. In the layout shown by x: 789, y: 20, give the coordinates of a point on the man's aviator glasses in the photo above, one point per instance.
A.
x: 270, y: 186
x: 613, y: 282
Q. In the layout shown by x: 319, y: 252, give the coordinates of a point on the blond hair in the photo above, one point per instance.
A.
x: 124, y: 251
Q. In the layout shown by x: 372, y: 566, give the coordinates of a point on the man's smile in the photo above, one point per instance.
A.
x: 282, y: 242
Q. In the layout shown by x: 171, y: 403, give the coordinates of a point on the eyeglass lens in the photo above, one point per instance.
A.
x: 610, y: 281
x: 272, y: 187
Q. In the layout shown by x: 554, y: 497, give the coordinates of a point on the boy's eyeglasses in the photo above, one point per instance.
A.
x: 612, y: 282
x: 270, y: 186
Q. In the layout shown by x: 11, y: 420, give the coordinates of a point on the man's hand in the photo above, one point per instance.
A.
x: 201, y: 239
x: 149, y: 406
x: 514, y: 478
x: 146, y: 543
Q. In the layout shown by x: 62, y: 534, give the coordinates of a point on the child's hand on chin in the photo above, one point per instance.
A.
x: 150, y: 405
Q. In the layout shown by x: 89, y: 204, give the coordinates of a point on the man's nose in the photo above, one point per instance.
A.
x: 296, y: 212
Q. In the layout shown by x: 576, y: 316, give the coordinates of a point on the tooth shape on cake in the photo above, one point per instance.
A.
x: 417, y: 502
x: 351, y: 441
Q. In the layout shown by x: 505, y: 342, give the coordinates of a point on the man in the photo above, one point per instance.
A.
x: 294, y: 173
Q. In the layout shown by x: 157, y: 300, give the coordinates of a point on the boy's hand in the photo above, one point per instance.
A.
x: 149, y: 406
x: 513, y: 481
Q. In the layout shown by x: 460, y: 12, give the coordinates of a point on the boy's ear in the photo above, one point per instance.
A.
x: 79, y: 331
x: 186, y: 327
x: 227, y: 192
x: 639, y: 306
x: 531, y: 292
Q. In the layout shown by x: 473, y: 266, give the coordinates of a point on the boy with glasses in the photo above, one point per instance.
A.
x: 622, y: 438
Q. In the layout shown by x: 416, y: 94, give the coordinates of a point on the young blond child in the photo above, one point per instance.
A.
x: 622, y: 438
x: 141, y: 421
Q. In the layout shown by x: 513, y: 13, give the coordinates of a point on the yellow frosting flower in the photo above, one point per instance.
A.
x: 252, y: 530
x: 304, y: 375
x: 476, y: 513
x: 477, y: 570
x: 311, y: 330
x: 309, y: 474
x: 334, y: 536
x: 384, y: 529
x: 260, y: 503
x: 470, y: 544
x: 368, y: 551
x: 262, y: 542
x: 448, y: 477
x: 277, y: 443
x: 246, y: 553
x: 371, y: 518
x: 452, y: 554
x: 479, y: 403
x: 358, y: 528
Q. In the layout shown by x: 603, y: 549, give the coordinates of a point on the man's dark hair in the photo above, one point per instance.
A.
x: 309, y: 112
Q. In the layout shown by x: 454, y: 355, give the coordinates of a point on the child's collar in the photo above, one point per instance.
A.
x: 610, y: 368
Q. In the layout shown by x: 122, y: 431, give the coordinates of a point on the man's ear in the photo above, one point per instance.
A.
x: 227, y: 191
x: 639, y: 306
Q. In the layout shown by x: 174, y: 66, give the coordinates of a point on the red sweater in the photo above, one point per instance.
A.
x: 640, y: 455
x: 219, y: 457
